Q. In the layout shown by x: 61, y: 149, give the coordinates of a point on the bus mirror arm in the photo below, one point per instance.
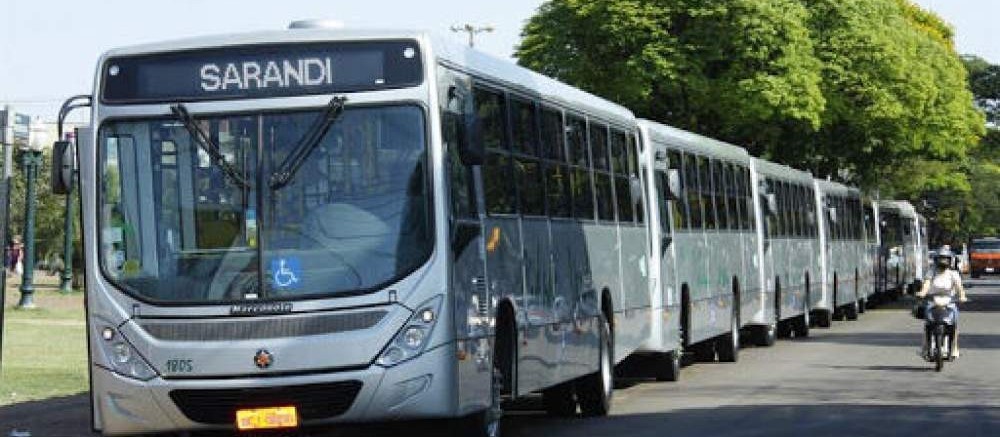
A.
x: 63, y: 151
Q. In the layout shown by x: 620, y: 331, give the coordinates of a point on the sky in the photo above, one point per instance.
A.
x: 49, y: 48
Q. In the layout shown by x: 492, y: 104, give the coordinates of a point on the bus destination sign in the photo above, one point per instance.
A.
x: 261, y: 71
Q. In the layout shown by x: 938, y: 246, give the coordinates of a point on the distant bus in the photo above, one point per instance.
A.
x: 984, y: 256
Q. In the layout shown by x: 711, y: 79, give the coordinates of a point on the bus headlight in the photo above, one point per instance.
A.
x: 412, y: 339
x: 123, y: 358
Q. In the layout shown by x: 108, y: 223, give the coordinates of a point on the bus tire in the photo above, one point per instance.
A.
x: 765, y: 335
x: 801, y: 323
x: 668, y: 366
x: 594, y: 391
x: 785, y: 329
x: 727, y: 345
x: 704, y: 352
x: 851, y: 311
x: 560, y: 401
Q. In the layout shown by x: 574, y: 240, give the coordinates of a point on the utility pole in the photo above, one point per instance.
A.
x: 472, y: 31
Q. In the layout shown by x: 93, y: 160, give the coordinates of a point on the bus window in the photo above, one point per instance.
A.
x: 637, y: 178
x: 720, y: 189
x: 581, y: 186
x: 623, y: 192
x: 527, y: 173
x: 603, y: 185
x: 462, y: 193
x: 524, y: 136
x: 679, y: 204
x: 498, y: 190
x: 556, y: 169
x: 599, y: 145
x: 707, y: 199
x: 692, y: 187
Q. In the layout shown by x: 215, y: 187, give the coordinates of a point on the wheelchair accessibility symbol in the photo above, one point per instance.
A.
x: 286, y: 272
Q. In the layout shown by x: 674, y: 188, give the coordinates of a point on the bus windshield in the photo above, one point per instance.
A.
x: 175, y: 227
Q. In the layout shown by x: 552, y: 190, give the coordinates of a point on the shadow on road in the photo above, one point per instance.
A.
x: 916, y: 369
x: 56, y: 417
x: 967, y: 340
x: 774, y: 420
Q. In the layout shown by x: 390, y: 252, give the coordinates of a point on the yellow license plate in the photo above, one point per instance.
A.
x: 267, y: 418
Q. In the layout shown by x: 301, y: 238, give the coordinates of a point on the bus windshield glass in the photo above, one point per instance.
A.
x: 176, y: 228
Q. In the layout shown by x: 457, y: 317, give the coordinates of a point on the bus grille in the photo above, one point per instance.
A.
x: 262, y: 327
x: 313, y: 401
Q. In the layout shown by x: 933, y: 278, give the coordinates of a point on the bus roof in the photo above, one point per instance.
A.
x: 836, y: 187
x: 903, y: 207
x: 775, y: 170
x: 690, y: 141
x: 460, y: 56
x: 446, y: 50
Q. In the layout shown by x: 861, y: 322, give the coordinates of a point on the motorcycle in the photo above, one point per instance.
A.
x: 939, y: 327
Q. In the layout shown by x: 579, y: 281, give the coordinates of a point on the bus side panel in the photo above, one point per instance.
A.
x: 603, y: 251
x: 473, y: 314
x: 634, y: 325
x: 504, y: 274
x: 756, y: 304
x: 571, y: 266
x: 542, y: 344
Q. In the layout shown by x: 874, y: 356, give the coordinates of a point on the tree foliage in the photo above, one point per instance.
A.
x: 870, y: 92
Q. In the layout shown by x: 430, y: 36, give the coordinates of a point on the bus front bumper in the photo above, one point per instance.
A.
x: 423, y: 387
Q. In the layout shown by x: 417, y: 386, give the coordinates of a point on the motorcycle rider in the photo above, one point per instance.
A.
x: 943, y: 279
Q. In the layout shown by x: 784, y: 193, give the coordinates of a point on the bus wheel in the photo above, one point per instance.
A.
x: 668, y: 366
x: 824, y: 318
x: 560, y: 401
x: 785, y: 329
x: 766, y: 335
x: 728, y: 345
x: 801, y: 323
x: 851, y: 311
x: 594, y: 390
x: 862, y: 305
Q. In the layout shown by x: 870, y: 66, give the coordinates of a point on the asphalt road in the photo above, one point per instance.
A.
x: 859, y: 378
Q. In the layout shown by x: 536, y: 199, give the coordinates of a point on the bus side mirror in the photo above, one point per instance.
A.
x: 63, y: 157
x: 831, y: 213
x: 674, y: 183
x: 470, y: 145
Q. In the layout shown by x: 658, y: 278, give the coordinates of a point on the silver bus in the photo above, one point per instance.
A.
x: 704, y: 241
x: 320, y: 226
x: 903, y: 247
x: 791, y: 250
x: 842, y: 235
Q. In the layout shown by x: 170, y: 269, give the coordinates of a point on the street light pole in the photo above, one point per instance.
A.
x: 472, y: 31
x: 32, y: 159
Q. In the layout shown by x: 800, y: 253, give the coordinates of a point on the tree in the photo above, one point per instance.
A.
x: 49, y: 212
x: 738, y: 70
x: 852, y: 89
x: 984, y: 80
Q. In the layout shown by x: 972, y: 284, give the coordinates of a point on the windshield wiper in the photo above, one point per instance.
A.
x: 286, y: 171
x: 205, y: 143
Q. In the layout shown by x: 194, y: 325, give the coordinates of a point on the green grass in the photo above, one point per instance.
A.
x: 44, y: 350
